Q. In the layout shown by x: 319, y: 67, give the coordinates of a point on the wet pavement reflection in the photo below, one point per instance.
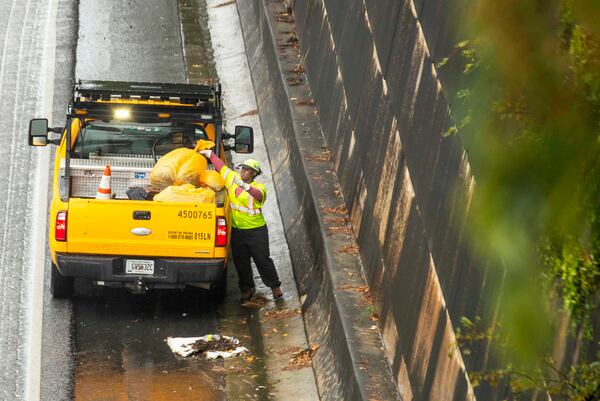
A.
x: 121, y: 354
x: 120, y: 350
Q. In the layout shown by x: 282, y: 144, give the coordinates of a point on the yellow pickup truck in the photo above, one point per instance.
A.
x: 130, y: 240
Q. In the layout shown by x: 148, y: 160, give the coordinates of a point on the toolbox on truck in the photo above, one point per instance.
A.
x: 128, y: 242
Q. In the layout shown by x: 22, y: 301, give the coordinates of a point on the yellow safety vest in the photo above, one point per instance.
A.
x: 246, y: 211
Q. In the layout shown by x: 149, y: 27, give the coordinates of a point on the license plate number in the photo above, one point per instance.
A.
x: 134, y: 266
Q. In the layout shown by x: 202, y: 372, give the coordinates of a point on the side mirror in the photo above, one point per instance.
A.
x: 244, y: 139
x: 38, y: 132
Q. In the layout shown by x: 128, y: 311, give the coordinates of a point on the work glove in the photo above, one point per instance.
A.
x: 206, y: 153
x: 241, y: 183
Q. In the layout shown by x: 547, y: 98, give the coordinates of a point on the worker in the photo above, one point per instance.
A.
x: 249, y: 235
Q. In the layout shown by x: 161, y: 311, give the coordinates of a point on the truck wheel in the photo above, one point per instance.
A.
x: 219, y: 290
x: 60, y: 286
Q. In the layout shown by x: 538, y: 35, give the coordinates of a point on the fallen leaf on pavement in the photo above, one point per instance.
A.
x: 351, y: 249
x: 335, y: 210
x: 303, y: 358
x: 282, y: 313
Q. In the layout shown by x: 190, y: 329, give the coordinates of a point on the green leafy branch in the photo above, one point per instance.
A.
x: 580, y: 382
x: 574, y: 273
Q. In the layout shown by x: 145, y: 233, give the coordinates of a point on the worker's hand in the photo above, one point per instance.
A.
x: 241, y: 183
x: 206, y: 153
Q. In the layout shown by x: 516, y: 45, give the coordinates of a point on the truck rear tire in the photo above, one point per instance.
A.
x: 60, y: 286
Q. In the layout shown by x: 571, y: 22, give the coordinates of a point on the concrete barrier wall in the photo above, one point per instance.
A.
x: 348, y: 364
x: 383, y: 109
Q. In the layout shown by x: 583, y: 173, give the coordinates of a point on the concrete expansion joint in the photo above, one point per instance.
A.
x: 350, y: 364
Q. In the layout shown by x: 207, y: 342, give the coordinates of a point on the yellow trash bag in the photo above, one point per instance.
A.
x: 180, y: 166
x: 212, y: 179
x: 203, y: 145
x: 186, y: 193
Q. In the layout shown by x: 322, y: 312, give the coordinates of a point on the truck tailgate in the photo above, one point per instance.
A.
x: 126, y: 227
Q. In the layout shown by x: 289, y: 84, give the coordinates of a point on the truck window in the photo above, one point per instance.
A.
x: 126, y: 138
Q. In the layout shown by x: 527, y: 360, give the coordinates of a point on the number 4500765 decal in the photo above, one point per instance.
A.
x: 195, y: 214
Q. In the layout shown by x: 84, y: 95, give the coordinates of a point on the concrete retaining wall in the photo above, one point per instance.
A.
x: 349, y: 364
x: 381, y: 111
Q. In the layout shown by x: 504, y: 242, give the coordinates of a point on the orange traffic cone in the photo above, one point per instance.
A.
x: 104, y: 191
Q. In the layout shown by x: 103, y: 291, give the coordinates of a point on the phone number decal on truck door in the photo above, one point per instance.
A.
x: 189, y: 235
x: 195, y: 214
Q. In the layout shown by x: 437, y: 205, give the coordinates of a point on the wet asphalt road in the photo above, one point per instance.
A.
x: 120, y: 352
x: 25, y: 71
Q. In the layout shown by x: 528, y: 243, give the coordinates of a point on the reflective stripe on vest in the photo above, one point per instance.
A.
x: 225, y: 171
x: 245, y: 209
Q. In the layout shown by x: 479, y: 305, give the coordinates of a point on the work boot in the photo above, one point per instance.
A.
x: 248, y: 294
x: 277, y: 293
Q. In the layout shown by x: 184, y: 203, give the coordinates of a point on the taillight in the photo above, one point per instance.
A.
x: 221, y: 238
x: 60, y: 226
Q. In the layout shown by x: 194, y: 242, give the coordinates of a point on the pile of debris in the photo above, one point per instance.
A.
x: 213, y: 346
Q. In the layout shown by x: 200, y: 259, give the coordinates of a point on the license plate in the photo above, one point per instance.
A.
x: 134, y: 266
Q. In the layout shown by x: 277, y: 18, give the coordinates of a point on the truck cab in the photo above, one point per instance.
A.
x: 130, y: 240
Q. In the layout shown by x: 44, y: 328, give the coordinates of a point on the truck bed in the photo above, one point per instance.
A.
x: 127, y: 171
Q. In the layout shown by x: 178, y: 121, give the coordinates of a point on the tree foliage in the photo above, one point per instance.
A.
x: 530, y: 117
x: 578, y: 382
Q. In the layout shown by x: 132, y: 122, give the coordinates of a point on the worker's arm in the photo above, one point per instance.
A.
x: 231, y: 176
